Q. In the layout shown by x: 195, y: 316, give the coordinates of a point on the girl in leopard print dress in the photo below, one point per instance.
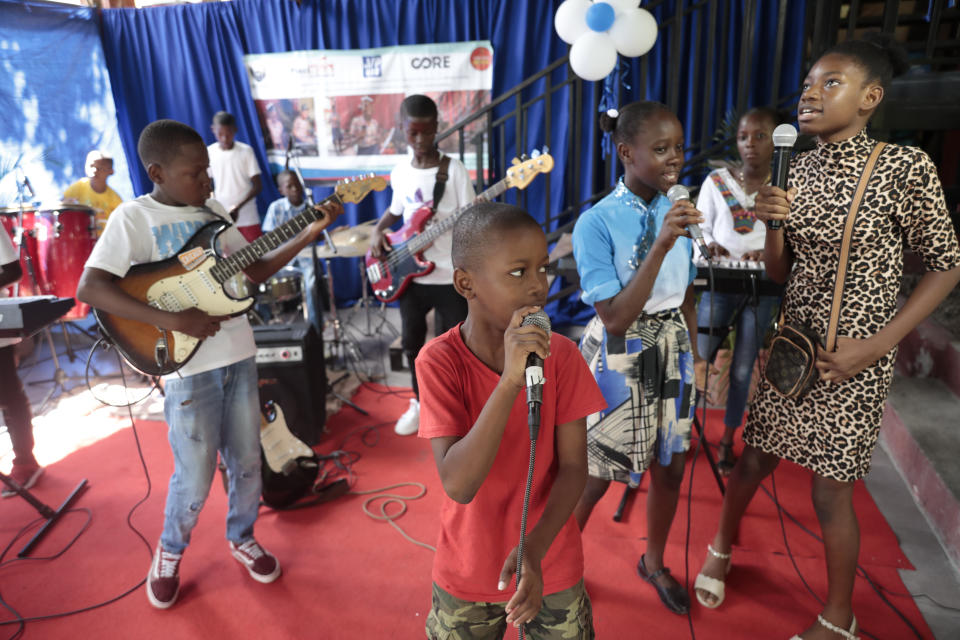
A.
x: 832, y: 430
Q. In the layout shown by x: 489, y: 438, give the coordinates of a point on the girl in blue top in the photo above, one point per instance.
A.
x: 633, y: 256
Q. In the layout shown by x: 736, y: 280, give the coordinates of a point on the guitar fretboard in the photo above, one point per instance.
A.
x: 240, y: 260
x: 434, y: 231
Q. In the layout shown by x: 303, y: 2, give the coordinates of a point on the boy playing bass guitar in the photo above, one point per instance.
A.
x: 415, y: 184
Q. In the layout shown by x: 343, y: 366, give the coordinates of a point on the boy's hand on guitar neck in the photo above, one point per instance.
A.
x: 197, y: 323
x: 331, y: 211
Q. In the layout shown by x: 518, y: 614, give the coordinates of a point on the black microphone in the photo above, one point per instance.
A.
x: 679, y: 192
x: 784, y: 136
x: 534, y: 373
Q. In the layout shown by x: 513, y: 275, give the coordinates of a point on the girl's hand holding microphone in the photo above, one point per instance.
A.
x: 773, y: 203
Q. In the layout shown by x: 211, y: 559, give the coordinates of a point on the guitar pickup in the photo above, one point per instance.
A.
x: 373, y: 273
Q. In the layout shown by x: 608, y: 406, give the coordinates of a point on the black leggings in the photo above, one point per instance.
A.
x: 415, y: 303
x: 16, y: 409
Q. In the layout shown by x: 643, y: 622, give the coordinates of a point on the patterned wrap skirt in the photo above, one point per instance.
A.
x: 646, y: 377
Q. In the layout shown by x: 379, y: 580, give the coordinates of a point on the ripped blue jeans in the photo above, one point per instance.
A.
x: 213, y: 411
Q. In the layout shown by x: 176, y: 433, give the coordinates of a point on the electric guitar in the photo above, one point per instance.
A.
x: 390, y: 274
x: 289, y: 467
x: 196, y: 277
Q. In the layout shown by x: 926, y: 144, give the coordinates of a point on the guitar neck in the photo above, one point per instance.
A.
x: 240, y: 260
x: 434, y: 231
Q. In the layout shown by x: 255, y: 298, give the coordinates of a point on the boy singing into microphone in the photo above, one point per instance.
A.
x: 474, y: 411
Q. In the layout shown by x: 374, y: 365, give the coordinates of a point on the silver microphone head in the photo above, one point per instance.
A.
x: 785, y: 135
x: 537, y: 319
x: 678, y: 192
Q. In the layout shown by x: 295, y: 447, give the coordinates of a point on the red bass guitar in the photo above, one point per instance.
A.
x: 391, y: 274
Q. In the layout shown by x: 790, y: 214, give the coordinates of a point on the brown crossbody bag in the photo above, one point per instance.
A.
x: 791, y: 364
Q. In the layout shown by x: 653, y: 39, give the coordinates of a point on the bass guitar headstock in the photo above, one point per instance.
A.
x: 356, y: 189
x: 524, y: 170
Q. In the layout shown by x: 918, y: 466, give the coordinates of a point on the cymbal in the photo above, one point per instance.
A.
x: 350, y: 242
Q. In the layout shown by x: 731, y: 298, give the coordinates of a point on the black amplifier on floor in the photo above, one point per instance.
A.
x: 291, y: 370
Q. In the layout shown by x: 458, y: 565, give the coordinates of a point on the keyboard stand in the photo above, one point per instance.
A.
x: 45, y: 512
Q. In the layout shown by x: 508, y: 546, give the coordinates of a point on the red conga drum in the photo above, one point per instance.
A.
x: 65, y: 235
x: 10, y: 218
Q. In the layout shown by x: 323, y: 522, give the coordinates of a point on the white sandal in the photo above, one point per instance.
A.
x: 711, y: 585
x: 847, y: 634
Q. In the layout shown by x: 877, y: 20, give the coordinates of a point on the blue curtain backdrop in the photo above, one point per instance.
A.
x: 55, y: 99
x: 186, y: 62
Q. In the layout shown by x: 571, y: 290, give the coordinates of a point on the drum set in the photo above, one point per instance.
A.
x: 57, y: 240
x: 282, y: 298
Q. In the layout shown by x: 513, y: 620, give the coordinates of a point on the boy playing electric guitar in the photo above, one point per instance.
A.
x: 211, y: 402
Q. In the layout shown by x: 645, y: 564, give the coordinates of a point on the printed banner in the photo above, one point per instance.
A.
x: 337, y: 113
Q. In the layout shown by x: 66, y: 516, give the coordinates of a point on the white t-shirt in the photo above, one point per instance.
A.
x: 144, y: 230
x: 232, y: 170
x: 8, y: 254
x: 412, y: 189
x: 719, y: 224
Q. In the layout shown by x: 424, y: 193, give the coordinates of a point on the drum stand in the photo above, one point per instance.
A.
x: 367, y: 304
x: 340, y: 344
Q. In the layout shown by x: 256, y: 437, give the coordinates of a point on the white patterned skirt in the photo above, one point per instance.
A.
x: 646, y: 377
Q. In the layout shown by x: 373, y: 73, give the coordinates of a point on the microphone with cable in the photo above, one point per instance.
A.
x: 784, y: 137
x: 677, y: 193
x: 534, y: 374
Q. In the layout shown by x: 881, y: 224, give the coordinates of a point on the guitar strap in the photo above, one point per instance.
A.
x: 441, y: 183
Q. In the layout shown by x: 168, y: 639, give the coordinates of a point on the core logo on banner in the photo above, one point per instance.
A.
x: 339, y: 111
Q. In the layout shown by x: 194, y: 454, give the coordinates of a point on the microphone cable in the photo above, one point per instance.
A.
x: 701, y: 399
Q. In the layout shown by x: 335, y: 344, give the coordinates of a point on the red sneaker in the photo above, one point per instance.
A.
x: 26, y: 475
x: 163, y: 581
x: 260, y: 563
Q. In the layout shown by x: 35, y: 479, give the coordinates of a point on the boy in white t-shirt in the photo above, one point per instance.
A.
x: 13, y: 400
x: 236, y: 175
x: 210, y: 403
x: 413, y: 184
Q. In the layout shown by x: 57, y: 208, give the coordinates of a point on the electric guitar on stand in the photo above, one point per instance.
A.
x: 390, y: 274
x: 196, y: 277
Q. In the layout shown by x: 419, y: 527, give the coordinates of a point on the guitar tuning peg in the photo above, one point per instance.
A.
x: 524, y: 157
x: 535, y: 153
x: 546, y: 149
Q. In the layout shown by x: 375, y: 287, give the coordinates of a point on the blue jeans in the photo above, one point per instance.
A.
x: 213, y: 411
x: 751, y: 327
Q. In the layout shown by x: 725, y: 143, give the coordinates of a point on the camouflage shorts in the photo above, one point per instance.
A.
x: 566, y: 615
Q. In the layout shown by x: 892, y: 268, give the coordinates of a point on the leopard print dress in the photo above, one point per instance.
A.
x: 832, y: 430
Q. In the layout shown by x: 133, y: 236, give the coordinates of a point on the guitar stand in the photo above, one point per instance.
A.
x: 45, y: 512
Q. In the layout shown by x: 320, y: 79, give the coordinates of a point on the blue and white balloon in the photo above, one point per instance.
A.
x: 598, y: 30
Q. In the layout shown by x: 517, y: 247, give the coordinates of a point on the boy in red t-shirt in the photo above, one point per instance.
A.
x: 474, y: 410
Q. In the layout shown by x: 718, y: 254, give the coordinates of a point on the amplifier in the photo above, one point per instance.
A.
x: 291, y: 369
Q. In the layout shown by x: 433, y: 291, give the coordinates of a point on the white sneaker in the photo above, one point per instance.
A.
x: 409, y: 422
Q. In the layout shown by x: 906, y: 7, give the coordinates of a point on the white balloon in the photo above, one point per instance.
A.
x: 623, y: 5
x: 634, y: 32
x: 570, y: 21
x: 593, y: 56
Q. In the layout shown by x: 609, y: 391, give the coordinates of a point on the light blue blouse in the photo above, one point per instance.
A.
x: 612, y: 238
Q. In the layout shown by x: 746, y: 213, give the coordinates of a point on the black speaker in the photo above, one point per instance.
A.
x: 292, y: 374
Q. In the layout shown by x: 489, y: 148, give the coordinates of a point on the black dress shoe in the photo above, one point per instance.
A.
x: 675, y: 597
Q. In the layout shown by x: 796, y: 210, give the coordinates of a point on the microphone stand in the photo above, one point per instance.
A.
x: 308, y: 198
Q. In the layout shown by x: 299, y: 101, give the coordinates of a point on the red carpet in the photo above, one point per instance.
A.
x: 348, y: 576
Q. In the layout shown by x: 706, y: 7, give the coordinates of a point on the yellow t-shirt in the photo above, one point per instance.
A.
x: 104, y: 203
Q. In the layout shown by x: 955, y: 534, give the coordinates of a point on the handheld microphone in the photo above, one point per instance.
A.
x: 534, y: 373
x: 679, y: 192
x: 784, y: 136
